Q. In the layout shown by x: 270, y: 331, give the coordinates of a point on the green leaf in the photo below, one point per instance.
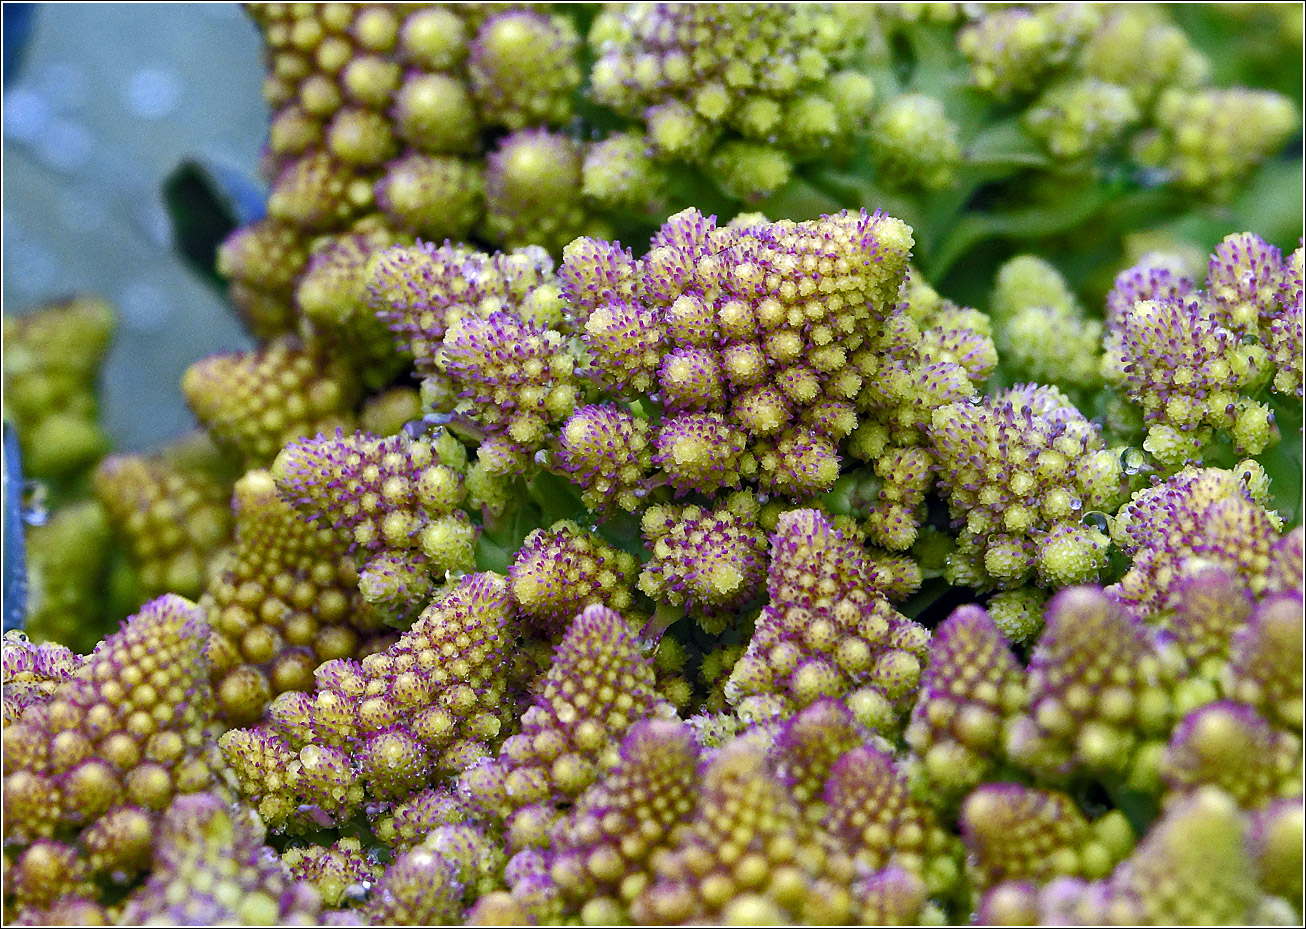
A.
x: 1044, y: 219
x: 206, y: 202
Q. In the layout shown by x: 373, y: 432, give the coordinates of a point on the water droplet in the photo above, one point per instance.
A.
x: 358, y: 893
x: 35, y: 509
x: 1076, y: 504
x: 1096, y: 519
x: 1133, y: 460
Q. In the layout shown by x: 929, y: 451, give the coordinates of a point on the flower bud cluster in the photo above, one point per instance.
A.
x: 745, y: 91
x: 600, y: 683
x: 210, y: 868
x: 746, y: 335
x: 606, y: 451
x: 68, y: 561
x: 712, y: 561
x: 560, y: 571
x: 378, y: 129
x: 779, y: 867
x: 1016, y: 833
x: 32, y: 672
x: 1200, y: 519
x: 393, y: 500
x: 1042, y: 333
x: 826, y: 632
x: 52, y: 358
x: 1102, y: 71
x: 338, y: 872
x: 1192, y: 868
x: 283, y: 600
x: 1020, y: 471
x: 971, y: 691
x: 256, y: 402
x: 914, y: 143
x: 1079, y: 117
x: 1193, y: 360
x: 1210, y: 139
x: 929, y: 353
x: 1011, y: 50
x: 1101, y: 693
x: 382, y: 728
x: 171, y: 517
x: 332, y: 300
x: 90, y: 765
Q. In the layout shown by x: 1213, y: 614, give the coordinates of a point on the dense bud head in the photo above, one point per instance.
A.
x: 699, y: 452
x: 523, y: 68
x: 210, y: 869
x: 811, y: 743
x: 1142, y: 49
x: 516, y: 377
x: 607, y: 452
x: 743, y: 90
x: 750, y: 321
x: 1192, y: 866
x: 820, y: 581
x: 1275, y: 842
x: 317, y: 193
x: 434, y: 113
x: 381, y: 727
x: 1228, y: 745
x: 381, y: 495
x: 560, y: 571
x: 1100, y: 692
x: 750, y: 171
x: 51, y: 360
x: 1263, y: 671
x: 1016, y: 833
x: 1019, y: 470
x: 711, y: 561
x: 1285, y: 338
x: 282, y: 601
x: 1211, y: 139
x: 532, y: 191
x: 1200, y: 518
x: 170, y: 518
x: 421, y: 291
x: 339, y: 872
x: 257, y: 402
x: 971, y: 688
x: 439, y: 197
x: 1028, y: 280
x: 1010, y: 50
x: 419, y: 887
x: 914, y: 143
x: 1081, y: 117
x: 1190, y: 375
x: 869, y: 805
x: 600, y: 684
x: 619, y: 173
x: 123, y: 734
x: 748, y: 855
x: 612, y: 838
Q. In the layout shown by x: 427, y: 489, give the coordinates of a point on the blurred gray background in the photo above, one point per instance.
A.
x: 106, y: 101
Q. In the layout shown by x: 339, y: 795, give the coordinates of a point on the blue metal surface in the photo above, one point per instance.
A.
x: 15, y: 571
